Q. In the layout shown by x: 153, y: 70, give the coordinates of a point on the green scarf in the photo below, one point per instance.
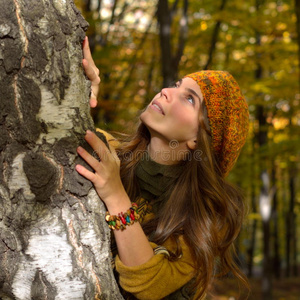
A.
x: 155, y: 179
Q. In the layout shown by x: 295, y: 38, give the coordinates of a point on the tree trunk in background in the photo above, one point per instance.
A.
x: 292, y: 184
x: 264, y: 202
x: 265, y: 210
x: 293, y: 216
x: 276, y: 244
x: 214, y: 38
x: 265, y: 194
x: 291, y: 224
x: 297, y: 11
x: 165, y: 20
x: 170, y: 58
x: 252, y: 244
x: 53, y: 240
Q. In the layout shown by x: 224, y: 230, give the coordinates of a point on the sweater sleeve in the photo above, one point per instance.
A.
x: 109, y: 138
x: 159, y: 276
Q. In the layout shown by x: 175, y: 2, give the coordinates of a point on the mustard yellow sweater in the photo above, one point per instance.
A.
x: 159, y: 277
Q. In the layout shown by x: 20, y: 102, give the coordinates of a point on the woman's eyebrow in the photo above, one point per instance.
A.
x: 190, y: 90
x: 193, y: 92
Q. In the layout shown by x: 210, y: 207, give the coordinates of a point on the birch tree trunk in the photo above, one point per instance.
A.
x: 53, y: 240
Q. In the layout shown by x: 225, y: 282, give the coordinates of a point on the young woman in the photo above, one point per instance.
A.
x: 174, y: 168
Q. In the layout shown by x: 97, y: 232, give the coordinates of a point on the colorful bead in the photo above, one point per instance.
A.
x: 123, y: 219
x: 132, y: 216
x: 128, y: 219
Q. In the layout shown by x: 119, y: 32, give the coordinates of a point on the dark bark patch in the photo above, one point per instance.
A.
x: 8, y: 113
x: 4, y: 137
x: 30, y: 95
x: 7, y: 272
x: 8, y: 20
x: 72, y: 201
x: 42, y: 176
x: 59, y: 41
x: 12, y: 150
x: 80, y: 19
x: 8, y: 239
x: 2, y: 69
x: 64, y: 67
x: 6, y: 291
x: 41, y: 288
x: 8, y: 253
x: 30, y: 104
x: 37, y: 54
x: 64, y: 149
x: 75, y: 183
x: 65, y: 25
x: 58, y: 200
x: 1, y: 178
x: 12, y: 55
x: 10, y: 37
x: 33, y: 12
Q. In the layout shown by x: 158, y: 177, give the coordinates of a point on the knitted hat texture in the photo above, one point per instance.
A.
x: 228, y: 115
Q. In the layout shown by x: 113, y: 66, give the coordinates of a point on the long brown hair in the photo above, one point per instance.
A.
x: 201, y: 205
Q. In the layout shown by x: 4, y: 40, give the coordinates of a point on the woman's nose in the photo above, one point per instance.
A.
x: 167, y: 93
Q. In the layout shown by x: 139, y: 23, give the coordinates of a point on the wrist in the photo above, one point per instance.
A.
x: 118, y: 202
x: 123, y: 219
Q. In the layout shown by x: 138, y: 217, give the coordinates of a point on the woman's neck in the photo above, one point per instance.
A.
x: 166, y: 152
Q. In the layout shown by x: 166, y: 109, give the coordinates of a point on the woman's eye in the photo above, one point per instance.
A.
x: 190, y: 99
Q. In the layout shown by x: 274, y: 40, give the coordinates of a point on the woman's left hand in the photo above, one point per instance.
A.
x: 91, y: 71
x: 106, y: 177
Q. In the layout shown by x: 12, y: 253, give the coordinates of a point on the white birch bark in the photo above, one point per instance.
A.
x: 54, y: 243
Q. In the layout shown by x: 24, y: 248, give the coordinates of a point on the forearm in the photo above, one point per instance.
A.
x: 159, y: 276
x: 133, y: 246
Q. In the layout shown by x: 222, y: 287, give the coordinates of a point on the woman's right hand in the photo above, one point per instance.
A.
x: 91, y: 71
x: 133, y: 246
x: 106, y: 171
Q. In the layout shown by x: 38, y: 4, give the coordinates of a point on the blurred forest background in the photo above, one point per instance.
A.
x: 142, y: 46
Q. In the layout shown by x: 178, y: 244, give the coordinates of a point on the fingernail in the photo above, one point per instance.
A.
x: 93, y: 103
x: 88, y: 132
x: 79, y: 149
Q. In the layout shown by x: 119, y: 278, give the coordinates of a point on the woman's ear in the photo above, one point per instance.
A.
x: 191, y: 144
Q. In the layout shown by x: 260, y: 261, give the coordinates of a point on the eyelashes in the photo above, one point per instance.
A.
x: 176, y: 83
x: 192, y: 98
x: 189, y: 97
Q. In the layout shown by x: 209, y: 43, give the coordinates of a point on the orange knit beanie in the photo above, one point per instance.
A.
x: 228, y: 115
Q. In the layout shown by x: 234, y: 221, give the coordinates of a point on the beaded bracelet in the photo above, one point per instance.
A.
x: 122, y: 220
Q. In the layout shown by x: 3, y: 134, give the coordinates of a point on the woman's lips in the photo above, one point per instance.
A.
x: 157, y: 106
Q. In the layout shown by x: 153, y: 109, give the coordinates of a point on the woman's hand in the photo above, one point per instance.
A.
x: 106, y: 177
x: 133, y: 246
x: 91, y: 71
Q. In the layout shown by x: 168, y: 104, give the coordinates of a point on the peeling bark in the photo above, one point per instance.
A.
x: 53, y: 240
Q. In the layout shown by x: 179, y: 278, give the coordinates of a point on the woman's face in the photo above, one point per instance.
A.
x: 173, y: 114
